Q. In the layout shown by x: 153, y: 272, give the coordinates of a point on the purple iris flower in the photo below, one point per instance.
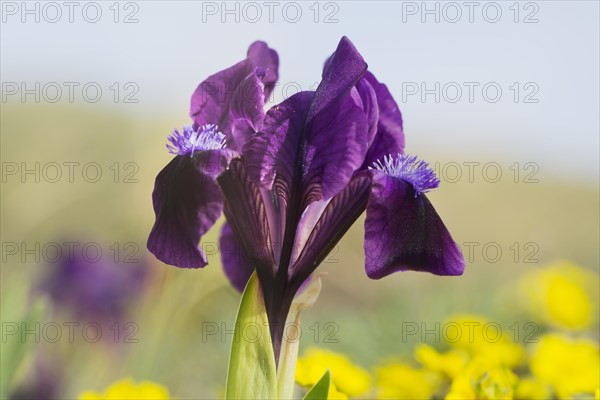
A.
x: 292, y: 181
x: 94, y: 290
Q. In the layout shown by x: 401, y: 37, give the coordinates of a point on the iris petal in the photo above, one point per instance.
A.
x: 187, y: 202
x: 271, y: 155
x: 404, y: 232
x: 389, y: 138
x: 337, y: 217
x: 212, y: 98
x: 314, y: 140
x: 246, y: 111
x: 236, y: 265
x: 246, y: 212
x: 371, y: 108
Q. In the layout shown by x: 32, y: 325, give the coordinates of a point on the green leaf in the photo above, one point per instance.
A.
x: 321, y: 390
x: 286, y: 370
x: 252, y: 373
x: 15, y: 349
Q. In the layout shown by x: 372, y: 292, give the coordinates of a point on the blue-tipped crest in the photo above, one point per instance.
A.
x: 206, y: 137
x: 409, y: 169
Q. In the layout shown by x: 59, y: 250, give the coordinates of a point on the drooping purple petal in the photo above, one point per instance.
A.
x: 236, y: 266
x: 212, y: 98
x: 187, y: 202
x: 404, y: 232
x: 245, y: 211
x: 389, y: 138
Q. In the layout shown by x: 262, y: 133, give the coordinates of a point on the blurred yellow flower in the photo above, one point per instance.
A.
x: 482, y: 337
x: 401, y: 381
x: 346, y: 377
x: 570, y: 366
x: 562, y: 295
x: 532, y: 389
x: 127, y: 389
x: 483, y: 380
x: 449, y: 363
x: 334, y: 394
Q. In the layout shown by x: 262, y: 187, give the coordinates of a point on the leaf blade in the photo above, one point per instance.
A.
x: 321, y: 389
x: 252, y: 373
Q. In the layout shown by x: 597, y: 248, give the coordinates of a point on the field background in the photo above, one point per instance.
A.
x: 559, y: 214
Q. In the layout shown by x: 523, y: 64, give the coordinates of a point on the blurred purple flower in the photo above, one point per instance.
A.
x: 292, y: 181
x: 99, y: 291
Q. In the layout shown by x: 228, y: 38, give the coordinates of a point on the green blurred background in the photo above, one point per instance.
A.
x: 559, y: 218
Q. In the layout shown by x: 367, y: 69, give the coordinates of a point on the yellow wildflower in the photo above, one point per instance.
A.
x: 126, y: 389
x: 562, y: 295
x: 449, y: 363
x: 335, y: 394
x: 401, y: 381
x: 483, y: 380
x: 532, y: 389
x: 345, y: 376
x: 571, y: 366
x: 481, y: 337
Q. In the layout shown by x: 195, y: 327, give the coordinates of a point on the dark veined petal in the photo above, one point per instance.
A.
x: 212, y: 98
x: 187, y: 201
x: 337, y: 217
x: 245, y: 211
x: 236, y: 266
x: 271, y: 155
x: 335, y: 149
x: 404, y: 232
x: 389, y: 138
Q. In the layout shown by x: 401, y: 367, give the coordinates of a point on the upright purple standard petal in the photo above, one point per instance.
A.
x: 389, y: 138
x: 336, y: 147
x: 402, y: 229
x: 267, y: 61
x: 236, y: 266
x: 246, y: 111
x: 270, y: 155
x: 314, y: 141
x: 336, y: 126
x: 212, y: 99
x: 187, y: 202
x: 370, y: 106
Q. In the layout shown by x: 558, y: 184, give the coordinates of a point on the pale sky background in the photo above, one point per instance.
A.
x: 171, y: 49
